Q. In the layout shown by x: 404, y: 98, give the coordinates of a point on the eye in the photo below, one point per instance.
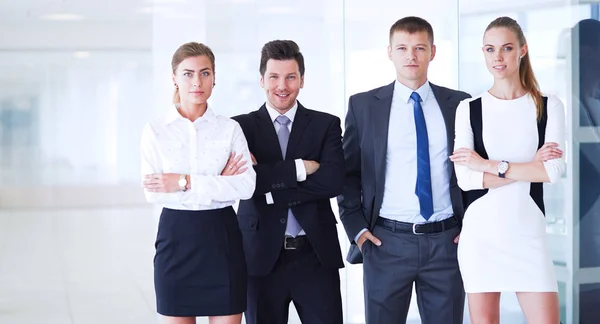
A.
x: 292, y: 77
x: 489, y: 49
x: 401, y: 48
x: 187, y: 74
x: 205, y: 73
x: 420, y: 48
x: 508, y: 48
x: 273, y: 77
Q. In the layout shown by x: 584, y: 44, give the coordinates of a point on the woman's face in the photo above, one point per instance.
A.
x: 502, y: 52
x: 195, y: 77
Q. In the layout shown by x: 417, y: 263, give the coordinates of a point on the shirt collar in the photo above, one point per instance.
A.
x: 403, y: 92
x: 289, y: 114
x: 173, y: 115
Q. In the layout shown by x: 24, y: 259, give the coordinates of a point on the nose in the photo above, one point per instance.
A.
x: 197, y: 81
x: 411, y: 56
x: 281, y: 83
x: 498, y: 56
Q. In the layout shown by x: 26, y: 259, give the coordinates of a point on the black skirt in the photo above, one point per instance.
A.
x: 199, y: 266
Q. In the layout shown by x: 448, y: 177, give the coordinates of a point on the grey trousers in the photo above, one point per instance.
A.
x: 429, y: 261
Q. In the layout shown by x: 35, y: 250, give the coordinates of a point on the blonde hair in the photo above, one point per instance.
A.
x: 526, y: 75
x: 187, y: 50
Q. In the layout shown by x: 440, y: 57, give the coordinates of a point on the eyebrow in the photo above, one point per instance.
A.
x: 423, y: 45
x: 188, y: 70
x: 500, y: 46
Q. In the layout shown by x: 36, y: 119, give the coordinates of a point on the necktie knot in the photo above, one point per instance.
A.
x: 283, y: 120
x: 415, y: 96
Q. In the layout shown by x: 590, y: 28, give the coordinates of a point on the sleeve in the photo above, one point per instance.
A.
x: 555, y: 132
x: 152, y: 163
x: 228, y: 188
x: 350, y: 201
x: 467, y: 179
x: 300, y: 170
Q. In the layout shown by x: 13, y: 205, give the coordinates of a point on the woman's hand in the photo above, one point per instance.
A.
x: 234, y: 165
x: 549, y: 151
x: 470, y: 159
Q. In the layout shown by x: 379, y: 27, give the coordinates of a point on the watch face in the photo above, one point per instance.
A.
x: 182, y: 182
x: 502, y: 167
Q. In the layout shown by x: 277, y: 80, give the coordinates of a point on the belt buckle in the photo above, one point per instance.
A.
x: 414, y: 229
x: 285, y: 243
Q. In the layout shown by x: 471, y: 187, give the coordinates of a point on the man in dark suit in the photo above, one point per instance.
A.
x: 288, y: 227
x: 401, y: 206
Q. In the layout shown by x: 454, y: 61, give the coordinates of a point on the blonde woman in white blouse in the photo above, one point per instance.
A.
x: 195, y: 164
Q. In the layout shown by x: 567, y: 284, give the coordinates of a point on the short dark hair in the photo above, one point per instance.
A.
x: 412, y: 25
x: 281, y: 50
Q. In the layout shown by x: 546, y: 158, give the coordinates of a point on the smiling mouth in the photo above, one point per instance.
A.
x: 499, y: 67
x: 282, y: 95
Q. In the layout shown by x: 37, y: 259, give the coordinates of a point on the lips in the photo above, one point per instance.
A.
x: 282, y: 95
x: 499, y: 67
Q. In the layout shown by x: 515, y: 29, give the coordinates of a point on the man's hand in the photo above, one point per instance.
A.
x: 311, y: 166
x: 254, y: 162
x: 161, y: 182
x: 367, y: 236
x: 456, y: 239
x: 234, y: 165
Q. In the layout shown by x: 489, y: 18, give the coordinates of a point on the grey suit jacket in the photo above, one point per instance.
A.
x: 365, y: 147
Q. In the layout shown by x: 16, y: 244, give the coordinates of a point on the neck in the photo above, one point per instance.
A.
x: 192, y: 111
x: 508, y: 89
x: 412, y: 84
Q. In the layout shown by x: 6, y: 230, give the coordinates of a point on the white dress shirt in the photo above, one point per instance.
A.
x: 300, y: 169
x: 174, y: 144
x: 399, y: 199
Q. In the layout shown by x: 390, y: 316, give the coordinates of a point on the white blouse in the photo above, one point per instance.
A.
x: 173, y: 144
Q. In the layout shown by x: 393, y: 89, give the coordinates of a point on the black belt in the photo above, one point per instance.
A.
x: 417, y: 228
x: 293, y: 243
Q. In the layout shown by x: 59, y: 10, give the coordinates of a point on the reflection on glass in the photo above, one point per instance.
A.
x: 589, y: 205
x: 588, y: 31
x: 589, y: 299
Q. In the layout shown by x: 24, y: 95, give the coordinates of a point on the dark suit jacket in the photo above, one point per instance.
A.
x: 315, y: 136
x: 365, y: 149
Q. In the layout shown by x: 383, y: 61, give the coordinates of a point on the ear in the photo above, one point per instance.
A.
x: 433, y: 50
x: 262, y: 82
x: 524, y: 50
x: 301, y: 82
x: 389, y: 50
x: 173, y: 78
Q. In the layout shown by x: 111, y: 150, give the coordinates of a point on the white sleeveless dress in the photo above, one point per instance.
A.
x: 503, y: 244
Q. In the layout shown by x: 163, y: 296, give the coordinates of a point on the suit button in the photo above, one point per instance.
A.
x: 282, y: 221
x: 290, y: 204
x: 273, y: 186
x: 283, y: 185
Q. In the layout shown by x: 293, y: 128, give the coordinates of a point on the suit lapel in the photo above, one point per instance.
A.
x: 268, y: 133
x: 299, y: 125
x: 448, y: 109
x: 380, y: 113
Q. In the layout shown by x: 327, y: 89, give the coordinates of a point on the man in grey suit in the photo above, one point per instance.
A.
x: 401, y: 206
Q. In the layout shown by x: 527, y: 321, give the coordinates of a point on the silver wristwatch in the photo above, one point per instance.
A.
x: 502, y: 169
x: 182, y: 182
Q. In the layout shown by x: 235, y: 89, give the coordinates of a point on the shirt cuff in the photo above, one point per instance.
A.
x: 269, y: 198
x: 300, y: 170
x: 359, y: 234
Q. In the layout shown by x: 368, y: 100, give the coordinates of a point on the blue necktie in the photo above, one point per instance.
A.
x: 423, y: 187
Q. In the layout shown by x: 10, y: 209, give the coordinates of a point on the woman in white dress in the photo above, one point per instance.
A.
x: 508, y: 142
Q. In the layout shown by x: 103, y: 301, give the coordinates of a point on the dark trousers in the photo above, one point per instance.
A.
x: 297, y: 277
x: 429, y: 261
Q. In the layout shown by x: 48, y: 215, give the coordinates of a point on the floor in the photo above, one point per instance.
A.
x: 94, y: 266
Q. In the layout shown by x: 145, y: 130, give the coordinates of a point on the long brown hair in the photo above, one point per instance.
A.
x: 186, y: 50
x: 526, y: 75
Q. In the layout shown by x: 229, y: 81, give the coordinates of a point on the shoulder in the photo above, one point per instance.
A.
x: 321, y: 116
x: 366, y: 95
x: 554, y: 103
x: 454, y: 94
